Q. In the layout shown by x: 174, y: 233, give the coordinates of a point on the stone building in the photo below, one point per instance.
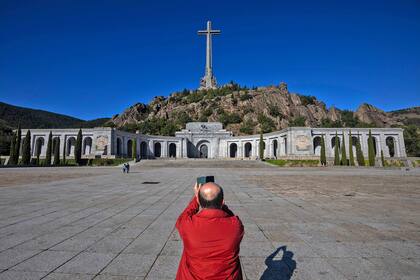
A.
x: 210, y: 140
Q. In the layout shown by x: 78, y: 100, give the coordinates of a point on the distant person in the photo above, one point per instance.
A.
x: 127, y: 167
x: 124, y: 168
x: 211, y: 237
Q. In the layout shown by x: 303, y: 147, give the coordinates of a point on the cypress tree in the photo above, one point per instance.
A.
x: 134, y: 149
x: 371, y: 151
x: 261, y: 147
x: 343, y: 152
x: 336, y: 150
x: 26, y: 149
x: 49, y: 150
x: 17, y: 145
x: 351, y: 156
x: 64, y: 153
x: 12, y: 150
x: 383, y: 159
x: 323, y: 156
x: 359, y: 153
x: 78, y: 148
x: 57, y: 151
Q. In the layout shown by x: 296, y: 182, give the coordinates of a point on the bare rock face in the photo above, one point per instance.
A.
x: 370, y: 114
x: 238, y: 107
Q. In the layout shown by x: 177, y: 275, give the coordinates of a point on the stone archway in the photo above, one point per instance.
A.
x: 158, y: 149
x: 172, y: 150
x: 248, y: 149
x: 87, y: 145
x: 130, y: 148
x: 275, y: 147
x: 233, y: 150
x: 317, y: 145
x: 204, y: 150
x: 39, y: 146
x: 119, y: 146
x: 390, y: 143
x: 71, y: 145
x: 143, y: 149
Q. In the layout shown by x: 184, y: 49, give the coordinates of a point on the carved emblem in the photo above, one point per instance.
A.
x: 303, y: 143
x: 101, y: 142
x: 204, y: 127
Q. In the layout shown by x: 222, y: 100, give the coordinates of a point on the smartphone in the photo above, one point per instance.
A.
x: 205, y: 179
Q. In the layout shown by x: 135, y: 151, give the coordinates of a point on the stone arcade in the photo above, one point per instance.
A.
x: 210, y: 140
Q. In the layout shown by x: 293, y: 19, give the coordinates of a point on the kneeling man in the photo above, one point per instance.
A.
x: 211, y: 237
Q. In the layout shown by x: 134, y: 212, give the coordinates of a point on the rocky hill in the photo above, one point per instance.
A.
x: 248, y: 111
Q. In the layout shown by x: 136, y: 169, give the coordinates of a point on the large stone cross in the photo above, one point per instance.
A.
x: 208, y: 81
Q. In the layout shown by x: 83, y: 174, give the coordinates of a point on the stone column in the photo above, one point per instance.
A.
x: 151, y: 148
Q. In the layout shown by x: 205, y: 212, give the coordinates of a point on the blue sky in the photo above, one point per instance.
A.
x: 93, y: 59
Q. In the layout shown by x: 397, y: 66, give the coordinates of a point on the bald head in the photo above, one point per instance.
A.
x: 211, y: 196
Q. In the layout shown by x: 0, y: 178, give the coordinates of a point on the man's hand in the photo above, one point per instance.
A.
x: 196, y: 189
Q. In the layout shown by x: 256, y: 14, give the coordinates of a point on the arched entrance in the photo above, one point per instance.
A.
x: 130, y: 148
x: 143, y: 149
x: 233, y: 150
x: 204, y: 151
x: 248, y: 149
x: 390, y: 143
x: 275, y: 147
x: 157, y: 149
x: 172, y: 150
x: 333, y: 144
x: 87, y: 145
x: 119, y: 147
x: 71, y: 144
x: 39, y: 144
x: 317, y: 145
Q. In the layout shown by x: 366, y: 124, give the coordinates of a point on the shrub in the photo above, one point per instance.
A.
x: 351, y: 156
x: 245, y: 96
x: 78, y: 148
x: 343, y: 152
x: 57, y: 151
x: 49, y: 150
x: 274, y: 111
x: 336, y: 151
x: 298, y: 121
x: 247, y: 127
x: 383, y: 159
x: 323, y: 157
x: 26, y: 149
x: 307, y: 99
x: 266, y: 123
x: 261, y: 147
x: 293, y: 163
x: 371, y: 150
x: 359, y: 153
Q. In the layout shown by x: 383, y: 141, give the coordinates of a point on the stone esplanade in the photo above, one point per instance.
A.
x: 210, y: 140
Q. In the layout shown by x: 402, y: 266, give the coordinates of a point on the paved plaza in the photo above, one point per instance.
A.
x: 300, y: 223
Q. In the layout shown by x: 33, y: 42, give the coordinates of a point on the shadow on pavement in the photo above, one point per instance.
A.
x: 279, y: 269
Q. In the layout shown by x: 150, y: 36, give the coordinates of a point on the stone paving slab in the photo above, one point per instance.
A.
x: 300, y: 223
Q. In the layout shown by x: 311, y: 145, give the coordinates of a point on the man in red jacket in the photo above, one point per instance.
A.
x: 211, y: 237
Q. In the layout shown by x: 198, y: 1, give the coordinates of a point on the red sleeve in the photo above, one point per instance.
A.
x: 191, y: 209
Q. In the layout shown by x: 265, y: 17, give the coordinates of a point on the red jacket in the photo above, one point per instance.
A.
x: 211, y: 240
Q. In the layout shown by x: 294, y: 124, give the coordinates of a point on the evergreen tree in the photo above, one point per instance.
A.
x: 351, y: 156
x: 56, y: 151
x: 17, y: 145
x: 134, y: 149
x: 64, y: 153
x: 343, y: 152
x: 26, y: 149
x: 49, y: 150
x: 12, y: 150
x: 336, y: 150
x: 323, y: 156
x: 78, y: 148
x: 261, y: 147
x: 371, y: 150
x: 383, y: 159
x: 359, y: 153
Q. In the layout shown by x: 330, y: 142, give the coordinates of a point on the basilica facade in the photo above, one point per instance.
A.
x: 210, y: 140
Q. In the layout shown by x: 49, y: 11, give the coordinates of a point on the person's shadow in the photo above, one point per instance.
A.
x: 279, y: 269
